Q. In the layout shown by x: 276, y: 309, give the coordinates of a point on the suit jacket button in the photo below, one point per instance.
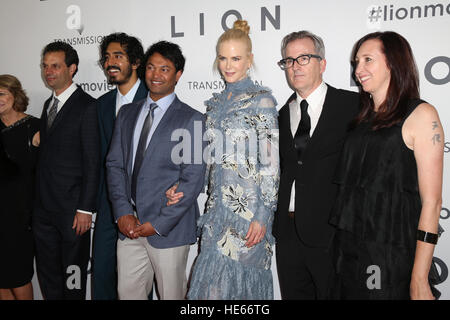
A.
x: 300, y: 162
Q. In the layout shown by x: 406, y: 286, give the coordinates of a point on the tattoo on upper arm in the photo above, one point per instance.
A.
x: 436, y: 137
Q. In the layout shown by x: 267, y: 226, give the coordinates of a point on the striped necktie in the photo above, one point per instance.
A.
x: 52, y: 113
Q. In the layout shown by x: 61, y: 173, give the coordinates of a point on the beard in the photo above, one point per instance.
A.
x: 126, y: 75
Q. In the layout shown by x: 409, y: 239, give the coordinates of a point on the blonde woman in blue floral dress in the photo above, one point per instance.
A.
x: 242, y: 178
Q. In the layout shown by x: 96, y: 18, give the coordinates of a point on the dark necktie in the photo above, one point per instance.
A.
x: 52, y: 113
x: 302, y: 135
x: 142, y: 146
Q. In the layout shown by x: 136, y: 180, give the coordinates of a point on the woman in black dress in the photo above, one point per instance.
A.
x: 390, y: 176
x: 19, y: 138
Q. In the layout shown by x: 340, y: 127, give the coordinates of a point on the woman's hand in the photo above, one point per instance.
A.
x: 255, y: 234
x: 173, y: 196
x: 420, y: 290
x: 36, y: 139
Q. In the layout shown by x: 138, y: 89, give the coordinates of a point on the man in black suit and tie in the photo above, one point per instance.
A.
x: 313, y: 125
x: 67, y: 178
x: 121, y: 58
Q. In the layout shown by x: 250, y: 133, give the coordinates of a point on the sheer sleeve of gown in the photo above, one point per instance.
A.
x: 268, y: 160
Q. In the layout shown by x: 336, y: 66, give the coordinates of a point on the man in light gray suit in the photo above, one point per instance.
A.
x: 141, y: 166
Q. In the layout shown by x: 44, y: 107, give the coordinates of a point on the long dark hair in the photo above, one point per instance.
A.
x: 403, y: 85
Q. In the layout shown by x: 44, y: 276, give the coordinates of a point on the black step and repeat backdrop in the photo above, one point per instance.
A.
x: 27, y: 25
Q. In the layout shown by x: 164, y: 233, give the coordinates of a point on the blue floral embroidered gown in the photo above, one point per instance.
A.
x: 242, y: 178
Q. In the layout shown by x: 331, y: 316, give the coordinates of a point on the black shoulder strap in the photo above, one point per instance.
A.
x: 412, y: 105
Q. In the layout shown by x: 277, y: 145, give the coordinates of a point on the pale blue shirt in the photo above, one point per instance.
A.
x: 127, y: 98
x: 163, y: 105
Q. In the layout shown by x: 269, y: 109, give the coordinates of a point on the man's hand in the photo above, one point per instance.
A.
x: 144, y: 230
x: 127, y: 224
x: 82, y: 223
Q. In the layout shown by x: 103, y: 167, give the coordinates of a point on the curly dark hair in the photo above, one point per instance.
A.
x: 132, y: 46
x: 70, y: 54
x: 168, y: 50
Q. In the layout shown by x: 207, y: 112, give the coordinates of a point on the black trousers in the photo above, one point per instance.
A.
x: 304, y: 272
x: 62, y: 257
x: 104, y: 255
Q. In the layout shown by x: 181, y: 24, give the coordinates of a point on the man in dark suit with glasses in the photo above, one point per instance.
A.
x: 313, y: 124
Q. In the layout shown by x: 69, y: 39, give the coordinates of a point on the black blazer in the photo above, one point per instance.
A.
x: 314, y: 188
x: 68, y: 165
x: 106, y: 118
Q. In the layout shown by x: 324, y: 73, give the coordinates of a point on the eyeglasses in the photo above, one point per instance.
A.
x: 302, y: 60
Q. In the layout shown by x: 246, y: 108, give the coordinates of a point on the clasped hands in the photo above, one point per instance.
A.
x: 255, y: 233
x: 131, y: 227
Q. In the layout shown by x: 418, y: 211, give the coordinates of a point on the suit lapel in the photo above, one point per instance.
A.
x: 139, y: 97
x: 325, y: 117
x: 109, y: 114
x: 141, y: 92
x: 164, y: 124
x: 285, y: 117
x: 64, y: 110
x: 44, y: 119
x: 111, y: 111
x: 129, y: 131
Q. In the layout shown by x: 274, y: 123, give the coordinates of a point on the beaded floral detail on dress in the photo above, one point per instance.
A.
x: 242, y: 179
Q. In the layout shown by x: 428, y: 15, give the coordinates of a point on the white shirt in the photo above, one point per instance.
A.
x: 315, y: 105
x: 128, y: 97
x: 62, y: 98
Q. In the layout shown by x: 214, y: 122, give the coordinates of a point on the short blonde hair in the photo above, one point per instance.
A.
x: 240, y: 31
x: 13, y: 85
